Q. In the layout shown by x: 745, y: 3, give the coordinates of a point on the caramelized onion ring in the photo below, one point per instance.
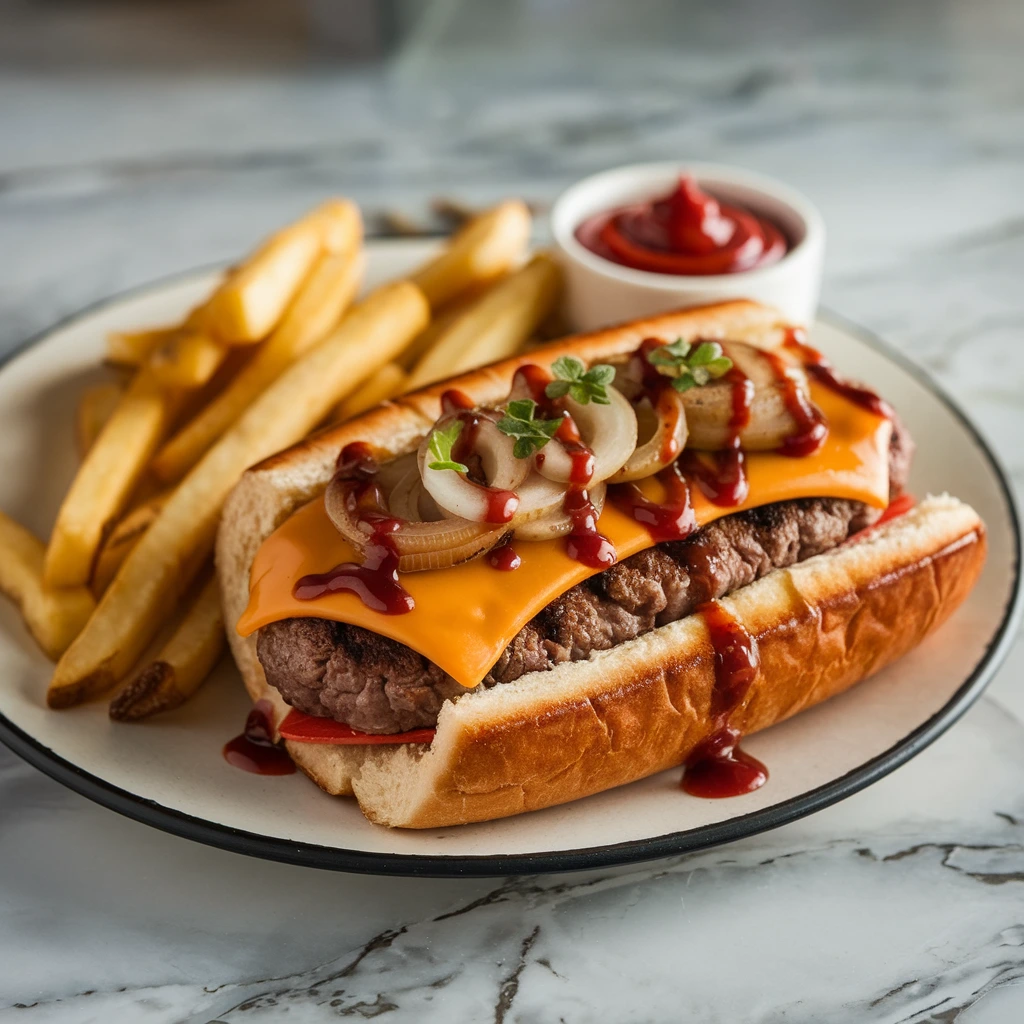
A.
x: 709, y: 408
x: 431, y: 545
x: 667, y: 437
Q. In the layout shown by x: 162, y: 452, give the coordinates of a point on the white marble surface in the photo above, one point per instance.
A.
x: 906, y: 124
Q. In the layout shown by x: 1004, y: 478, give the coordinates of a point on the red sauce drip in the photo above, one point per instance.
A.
x: 811, y: 427
x: 375, y: 582
x: 503, y: 558
x: 688, y: 232
x: 725, y: 482
x: 717, y: 767
x: 535, y: 379
x: 585, y: 543
x: 453, y: 400
x: 818, y: 367
x: 254, y: 751
x: 673, y: 520
x: 580, y: 456
x: 668, y: 411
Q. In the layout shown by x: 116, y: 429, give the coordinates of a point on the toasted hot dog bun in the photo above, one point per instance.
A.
x: 583, y: 727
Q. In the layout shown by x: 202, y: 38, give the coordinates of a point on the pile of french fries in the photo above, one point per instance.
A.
x: 123, y: 597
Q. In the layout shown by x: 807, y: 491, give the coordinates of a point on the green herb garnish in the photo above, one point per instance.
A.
x: 531, y: 434
x: 440, y: 446
x: 689, y: 366
x: 582, y: 385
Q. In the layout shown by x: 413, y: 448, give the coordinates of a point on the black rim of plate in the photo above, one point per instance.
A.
x: 743, y: 826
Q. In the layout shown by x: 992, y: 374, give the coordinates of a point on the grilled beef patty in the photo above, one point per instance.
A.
x: 378, y: 685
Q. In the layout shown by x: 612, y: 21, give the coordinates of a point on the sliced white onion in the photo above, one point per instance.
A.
x: 456, y: 494
x: 556, y: 522
x: 497, y: 458
x: 664, y: 438
x: 410, y: 500
x: 537, y: 496
x: 608, y: 430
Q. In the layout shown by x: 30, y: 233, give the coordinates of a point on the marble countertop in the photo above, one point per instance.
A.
x: 905, y: 124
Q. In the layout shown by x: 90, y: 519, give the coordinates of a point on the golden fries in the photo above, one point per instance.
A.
x: 182, y: 665
x: 54, y: 617
x: 188, y: 360
x: 248, y: 305
x: 486, y: 247
x: 180, y: 539
x: 316, y: 308
x: 493, y: 327
x: 105, y: 479
x: 122, y: 539
x: 94, y: 408
x: 388, y: 382
x: 133, y: 348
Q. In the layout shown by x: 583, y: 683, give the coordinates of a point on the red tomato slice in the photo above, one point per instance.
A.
x: 310, y: 729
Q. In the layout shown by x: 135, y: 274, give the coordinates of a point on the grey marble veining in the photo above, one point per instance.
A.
x: 905, y: 123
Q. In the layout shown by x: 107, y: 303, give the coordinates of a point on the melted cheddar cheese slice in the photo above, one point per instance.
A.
x: 466, y: 615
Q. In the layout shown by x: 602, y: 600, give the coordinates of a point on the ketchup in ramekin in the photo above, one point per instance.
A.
x: 687, y: 232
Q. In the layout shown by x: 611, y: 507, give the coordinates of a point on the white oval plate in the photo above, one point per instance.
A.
x: 169, y: 772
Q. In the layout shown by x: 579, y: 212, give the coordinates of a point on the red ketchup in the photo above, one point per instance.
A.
x: 503, y: 558
x: 811, y: 426
x: 375, y: 582
x: 254, y: 751
x: 818, y: 367
x: 717, y: 767
x: 672, y: 520
x: 687, y: 232
x: 725, y: 483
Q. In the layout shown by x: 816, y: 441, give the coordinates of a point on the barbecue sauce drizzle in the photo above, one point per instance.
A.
x: 584, y: 543
x: 253, y: 750
x: 375, y: 582
x: 818, y: 367
x: 717, y: 767
x: 725, y: 482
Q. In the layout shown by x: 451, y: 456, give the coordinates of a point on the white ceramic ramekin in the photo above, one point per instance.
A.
x: 599, y: 292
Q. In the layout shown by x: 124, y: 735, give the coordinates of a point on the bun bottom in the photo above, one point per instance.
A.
x: 642, y: 707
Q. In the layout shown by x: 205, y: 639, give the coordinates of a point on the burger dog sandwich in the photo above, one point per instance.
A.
x: 617, y: 554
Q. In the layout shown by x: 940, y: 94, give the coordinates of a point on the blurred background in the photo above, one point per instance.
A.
x: 140, y: 139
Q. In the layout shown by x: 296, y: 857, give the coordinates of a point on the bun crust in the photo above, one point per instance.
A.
x: 642, y: 707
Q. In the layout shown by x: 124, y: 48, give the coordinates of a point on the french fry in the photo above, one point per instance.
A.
x: 181, y: 538
x: 95, y: 406
x: 133, y: 348
x: 388, y: 382
x: 105, y: 480
x: 122, y: 539
x: 182, y: 665
x: 188, y: 360
x: 487, y: 246
x: 493, y: 327
x: 248, y: 305
x: 317, y: 307
x: 54, y: 617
